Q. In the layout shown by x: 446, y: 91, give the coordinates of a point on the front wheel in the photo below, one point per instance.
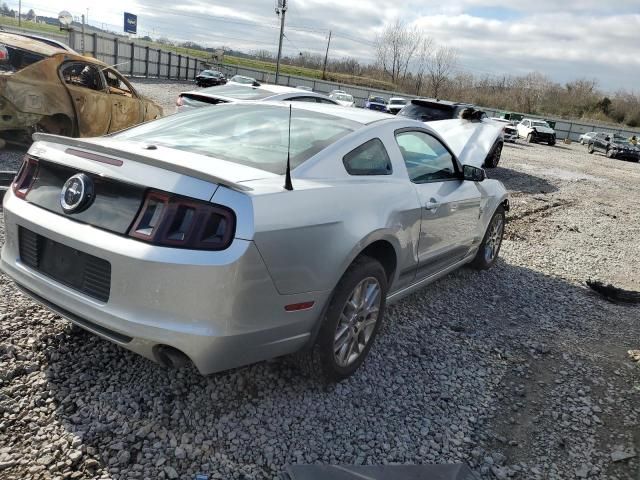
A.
x: 590, y: 148
x: 552, y: 143
x: 492, y: 241
x: 350, y: 325
x: 530, y: 138
x: 493, y: 158
x: 610, y: 153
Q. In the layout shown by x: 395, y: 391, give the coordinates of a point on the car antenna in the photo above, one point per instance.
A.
x: 287, y: 175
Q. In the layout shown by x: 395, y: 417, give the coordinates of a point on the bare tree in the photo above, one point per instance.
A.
x: 440, y: 65
x: 395, y: 48
x: 423, y: 53
x: 263, y: 55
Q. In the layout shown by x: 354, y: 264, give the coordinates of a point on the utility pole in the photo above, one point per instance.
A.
x: 19, y: 13
x: 83, y: 50
x: 280, y: 10
x: 326, y: 57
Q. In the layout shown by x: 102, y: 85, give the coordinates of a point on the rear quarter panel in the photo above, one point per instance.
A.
x: 309, y: 236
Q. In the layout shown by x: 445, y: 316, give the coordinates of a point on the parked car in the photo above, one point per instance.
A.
x: 536, y: 131
x: 343, y: 99
x: 585, y: 138
x: 215, y: 252
x: 243, y: 93
x: 434, y: 111
x: 614, y: 146
x: 210, y: 78
x: 396, y: 104
x: 376, y: 103
x: 242, y: 80
x: 430, y: 109
x: 510, y: 132
x: 49, y: 89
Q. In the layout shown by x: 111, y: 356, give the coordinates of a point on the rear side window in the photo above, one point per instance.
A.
x: 13, y: 59
x: 370, y: 158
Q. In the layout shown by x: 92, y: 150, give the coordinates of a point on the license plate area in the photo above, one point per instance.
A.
x: 76, y: 269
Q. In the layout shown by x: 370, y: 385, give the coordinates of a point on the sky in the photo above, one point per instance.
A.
x: 563, y: 39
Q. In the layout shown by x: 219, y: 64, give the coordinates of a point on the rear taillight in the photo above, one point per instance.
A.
x: 179, y: 101
x: 174, y: 221
x: 25, y: 177
x: 4, y: 54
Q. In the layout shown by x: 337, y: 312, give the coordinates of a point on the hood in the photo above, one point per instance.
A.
x: 544, y: 129
x: 344, y: 103
x: 470, y: 141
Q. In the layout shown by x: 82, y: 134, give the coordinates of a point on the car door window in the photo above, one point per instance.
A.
x: 117, y: 85
x: 370, y: 158
x: 82, y: 75
x: 426, y: 158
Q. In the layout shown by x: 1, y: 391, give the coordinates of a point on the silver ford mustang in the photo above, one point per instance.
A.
x: 190, y: 239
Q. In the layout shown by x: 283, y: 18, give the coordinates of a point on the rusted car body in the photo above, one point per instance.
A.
x: 48, y: 89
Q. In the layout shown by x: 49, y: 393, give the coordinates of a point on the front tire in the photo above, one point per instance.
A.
x: 493, y: 158
x: 530, y: 138
x: 350, y: 324
x: 492, y: 241
x: 590, y: 148
x: 610, y: 153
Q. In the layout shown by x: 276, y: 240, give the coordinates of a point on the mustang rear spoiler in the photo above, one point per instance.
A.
x: 147, y: 160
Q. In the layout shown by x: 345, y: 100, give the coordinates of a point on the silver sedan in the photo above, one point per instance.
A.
x: 190, y: 239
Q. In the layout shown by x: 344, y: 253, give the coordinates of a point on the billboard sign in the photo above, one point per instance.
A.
x: 130, y: 23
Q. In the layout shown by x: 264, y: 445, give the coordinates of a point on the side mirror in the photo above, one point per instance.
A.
x: 473, y: 174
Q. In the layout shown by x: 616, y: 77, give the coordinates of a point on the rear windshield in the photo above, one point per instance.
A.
x: 427, y: 113
x: 345, y: 97
x: 377, y: 100
x: 397, y: 102
x: 238, y: 92
x: 17, y: 58
x: 252, y: 135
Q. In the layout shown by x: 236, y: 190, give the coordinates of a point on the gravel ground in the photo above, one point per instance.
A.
x: 520, y: 371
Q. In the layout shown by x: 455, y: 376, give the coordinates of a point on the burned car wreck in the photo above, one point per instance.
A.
x: 48, y: 89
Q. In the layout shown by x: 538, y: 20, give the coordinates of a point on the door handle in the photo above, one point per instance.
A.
x: 432, y: 205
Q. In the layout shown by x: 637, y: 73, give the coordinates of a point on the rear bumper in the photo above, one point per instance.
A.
x: 221, y: 309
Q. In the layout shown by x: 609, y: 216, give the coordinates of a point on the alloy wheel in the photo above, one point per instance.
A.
x: 494, y: 238
x: 357, y: 321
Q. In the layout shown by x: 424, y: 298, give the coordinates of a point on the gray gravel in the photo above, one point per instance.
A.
x: 520, y: 371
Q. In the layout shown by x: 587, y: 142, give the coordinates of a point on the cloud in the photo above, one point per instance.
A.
x: 580, y: 38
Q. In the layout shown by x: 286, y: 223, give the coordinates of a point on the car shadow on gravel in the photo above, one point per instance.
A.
x: 428, y: 393
x: 518, y: 181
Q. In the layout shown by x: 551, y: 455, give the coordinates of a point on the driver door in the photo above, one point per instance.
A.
x: 450, y: 205
x: 126, y: 108
x: 91, y: 102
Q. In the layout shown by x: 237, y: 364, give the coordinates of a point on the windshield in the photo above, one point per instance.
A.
x: 344, y: 97
x: 539, y: 124
x: 250, y: 135
x: 426, y: 113
x: 397, y: 102
x: 244, y: 80
x: 377, y: 100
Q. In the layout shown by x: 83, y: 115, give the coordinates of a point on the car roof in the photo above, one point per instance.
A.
x: 397, y: 98
x: 30, y: 43
x: 358, y: 115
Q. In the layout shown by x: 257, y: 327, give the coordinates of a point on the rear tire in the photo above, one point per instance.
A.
x: 552, y: 143
x: 590, y: 148
x: 610, y: 153
x: 348, y: 327
x: 490, y: 247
